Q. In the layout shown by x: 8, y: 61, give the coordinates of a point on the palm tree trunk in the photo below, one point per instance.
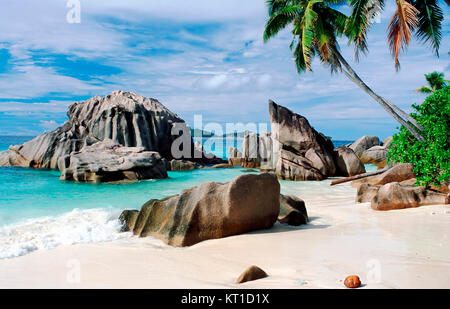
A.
x: 389, y: 107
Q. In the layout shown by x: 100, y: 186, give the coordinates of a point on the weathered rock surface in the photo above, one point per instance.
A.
x: 252, y: 273
x: 366, y: 192
x: 212, y: 210
x: 395, y: 196
x: 300, y: 152
x: 347, y: 162
x: 107, y: 161
x: 292, y: 210
x: 126, y: 118
x: 256, y: 150
x: 128, y: 220
x: 364, y: 143
x: 398, y: 173
x: 235, y: 157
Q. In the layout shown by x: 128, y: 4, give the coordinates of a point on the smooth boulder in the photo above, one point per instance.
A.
x: 292, y: 210
x: 366, y: 192
x: 182, y: 165
x: 212, y: 210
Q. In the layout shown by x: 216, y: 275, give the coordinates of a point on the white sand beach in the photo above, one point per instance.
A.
x: 398, y: 249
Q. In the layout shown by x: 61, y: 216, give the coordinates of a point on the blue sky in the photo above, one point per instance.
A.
x: 196, y: 57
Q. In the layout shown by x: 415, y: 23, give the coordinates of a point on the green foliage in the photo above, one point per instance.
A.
x: 431, y: 157
x: 435, y: 80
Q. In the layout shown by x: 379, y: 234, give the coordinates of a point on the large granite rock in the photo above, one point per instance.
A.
x: 395, y: 196
x: 300, y: 152
x: 364, y: 143
x: 292, y: 210
x: 211, y: 210
x: 347, y: 162
x: 107, y: 161
x: 235, y: 157
x: 126, y: 118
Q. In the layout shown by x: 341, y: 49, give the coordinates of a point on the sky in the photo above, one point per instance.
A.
x: 203, y: 57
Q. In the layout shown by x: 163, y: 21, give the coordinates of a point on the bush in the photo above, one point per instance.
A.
x: 431, y: 157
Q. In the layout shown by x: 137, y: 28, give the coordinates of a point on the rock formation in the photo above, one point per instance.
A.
x: 377, y: 155
x: 292, y: 210
x: 364, y: 143
x: 300, y: 152
x: 395, y: 196
x: 107, y: 161
x: 235, y: 157
x: 125, y: 118
x: 210, y: 210
x: 347, y: 162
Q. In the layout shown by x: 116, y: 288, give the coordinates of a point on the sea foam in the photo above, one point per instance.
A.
x: 77, y: 226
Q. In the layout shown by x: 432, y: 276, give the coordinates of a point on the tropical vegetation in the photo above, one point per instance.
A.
x: 430, y: 157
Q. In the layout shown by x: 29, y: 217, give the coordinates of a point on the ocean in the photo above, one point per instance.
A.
x: 38, y: 211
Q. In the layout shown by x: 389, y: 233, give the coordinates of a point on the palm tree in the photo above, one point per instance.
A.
x: 436, y: 81
x: 317, y: 25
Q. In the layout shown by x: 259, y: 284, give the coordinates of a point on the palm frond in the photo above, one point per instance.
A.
x: 430, y: 22
x: 361, y: 17
x: 274, y: 6
x: 403, y: 22
x: 424, y: 90
x: 308, y: 32
x: 279, y: 20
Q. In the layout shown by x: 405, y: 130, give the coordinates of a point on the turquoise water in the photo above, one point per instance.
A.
x: 38, y: 211
x: 28, y: 193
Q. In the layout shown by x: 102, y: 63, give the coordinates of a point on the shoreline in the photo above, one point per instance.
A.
x: 403, y: 248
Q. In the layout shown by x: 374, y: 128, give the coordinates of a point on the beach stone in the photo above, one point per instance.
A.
x: 352, y: 282
x: 250, y: 274
x: 212, y: 210
x: 395, y: 196
x: 366, y: 192
x: 128, y: 219
x: 292, y: 210
x: 300, y: 152
x: 107, y: 161
x: 182, y: 165
x: 364, y: 143
x: 347, y: 162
